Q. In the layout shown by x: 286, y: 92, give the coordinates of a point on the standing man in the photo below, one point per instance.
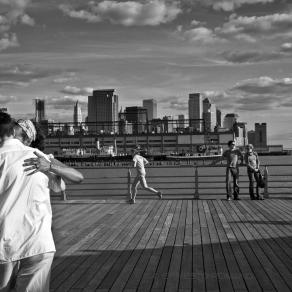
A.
x: 252, y: 163
x: 139, y: 164
x: 232, y: 156
x: 26, y: 242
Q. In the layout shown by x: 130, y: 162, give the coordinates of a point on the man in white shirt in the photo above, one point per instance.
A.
x: 139, y: 165
x: 26, y: 242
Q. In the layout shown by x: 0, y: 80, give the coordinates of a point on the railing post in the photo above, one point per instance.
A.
x: 266, y: 189
x: 129, y: 183
x: 64, y: 196
x: 196, y: 196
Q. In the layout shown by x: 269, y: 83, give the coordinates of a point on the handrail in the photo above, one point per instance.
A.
x: 192, y: 182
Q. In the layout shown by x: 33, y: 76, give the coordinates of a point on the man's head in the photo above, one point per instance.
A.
x: 25, y: 131
x: 249, y: 148
x: 231, y: 144
x: 136, y: 150
x: 6, y: 126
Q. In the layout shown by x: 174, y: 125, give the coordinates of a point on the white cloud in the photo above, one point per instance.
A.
x: 250, y: 28
x: 76, y: 90
x: 286, y: 47
x: 127, y: 13
x: 8, y: 41
x: 201, y: 35
x: 5, y: 99
x: 66, y: 102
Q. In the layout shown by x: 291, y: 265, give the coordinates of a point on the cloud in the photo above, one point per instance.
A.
x: 8, y: 41
x: 250, y: 28
x: 14, y: 13
x: 5, y: 99
x: 201, y: 35
x: 230, y: 5
x: 127, y: 13
x: 286, y: 48
x: 77, y: 91
x: 22, y: 75
x: 256, y: 94
x: 66, y: 103
x: 174, y: 103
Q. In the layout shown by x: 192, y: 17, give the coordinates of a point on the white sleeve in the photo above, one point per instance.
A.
x: 56, y: 183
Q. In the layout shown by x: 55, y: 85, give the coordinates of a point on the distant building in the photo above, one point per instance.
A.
x: 167, y: 124
x: 3, y: 110
x: 181, y: 123
x: 77, y: 116
x: 151, y: 106
x: 209, y: 115
x: 195, y: 111
x: 218, y: 118
x: 136, y: 115
x: 260, y: 135
x: 230, y: 120
x: 251, y: 137
x: 103, y: 111
x: 40, y: 113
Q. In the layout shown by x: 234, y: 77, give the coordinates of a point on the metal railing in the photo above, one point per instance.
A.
x: 187, y: 181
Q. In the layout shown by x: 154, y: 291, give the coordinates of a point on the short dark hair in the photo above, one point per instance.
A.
x: 6, y: 125
x: 230, y: 142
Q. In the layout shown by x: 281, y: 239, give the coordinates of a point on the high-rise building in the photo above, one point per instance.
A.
x: 103, y: 111
x: 260, y: 135
x: 218, y: 118
x: 251, y: 137
x: 209, y: 115
x: 137, y: 115
x: 230, y: 120
x: 181, y: 123
x: 195, y: 111
x: 77, y: 116
x: 40, y: 114
x: 167, y: 122
x: 151, y: 106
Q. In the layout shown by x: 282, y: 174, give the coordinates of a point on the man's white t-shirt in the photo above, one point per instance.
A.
x: 139, y: 164
x: 25, y: 208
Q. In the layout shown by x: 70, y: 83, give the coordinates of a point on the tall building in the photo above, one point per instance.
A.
x: 209, y: 115
x: 195, y: 111
x: 230, y: 120
x: 251, y: 137
x: 103, y: 111
x: 40, y: 114
x: 151, y: 106
x: 260, y: 135
x: 167, y: 122
x: 218, y: 118
x: 77, y: 116
x: 181, y: 123
x: 136, y: 115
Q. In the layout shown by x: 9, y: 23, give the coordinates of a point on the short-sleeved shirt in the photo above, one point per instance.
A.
x: 25, y: 208
x: 232, y: 157
x: 139, y: 164
x: 251, y: 160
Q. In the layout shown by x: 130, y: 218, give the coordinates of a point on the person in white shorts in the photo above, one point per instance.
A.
x: 139, y: 165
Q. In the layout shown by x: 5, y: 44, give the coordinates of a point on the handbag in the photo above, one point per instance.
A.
x: 261, y: 180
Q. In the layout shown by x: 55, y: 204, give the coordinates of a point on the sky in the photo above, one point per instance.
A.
x: 235, y: 52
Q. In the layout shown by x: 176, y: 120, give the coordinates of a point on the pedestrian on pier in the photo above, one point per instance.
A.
x: 252, y: 163
x: 139, y: 163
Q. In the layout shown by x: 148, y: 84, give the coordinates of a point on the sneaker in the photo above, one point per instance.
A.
x: 132, y: 201
x: 159, y: 194
x: 228, y: 199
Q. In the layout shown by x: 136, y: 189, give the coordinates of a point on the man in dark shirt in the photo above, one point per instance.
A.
x: 232, y: 156
x: 252, y: 164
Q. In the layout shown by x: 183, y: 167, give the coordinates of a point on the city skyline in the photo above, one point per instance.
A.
x: 236, y: 53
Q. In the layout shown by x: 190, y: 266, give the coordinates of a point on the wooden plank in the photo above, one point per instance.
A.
x: 138, y: 273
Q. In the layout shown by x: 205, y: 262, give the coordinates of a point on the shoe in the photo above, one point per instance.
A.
x: 253, y: 198
x: 132, y: 201
x: 159, y: 194
x: 260, y: 198
x: 228, y: 199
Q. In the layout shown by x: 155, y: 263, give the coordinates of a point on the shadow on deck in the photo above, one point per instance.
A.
x: 173, y: 245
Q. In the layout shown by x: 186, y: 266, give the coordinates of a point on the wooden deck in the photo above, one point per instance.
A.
x: 173, y: 245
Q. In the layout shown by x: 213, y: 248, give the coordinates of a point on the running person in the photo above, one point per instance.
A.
x: 139, y: 164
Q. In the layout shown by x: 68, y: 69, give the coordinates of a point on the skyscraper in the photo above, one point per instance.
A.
x: 260, y: 135
x: 209, y: 115
x: 218, y: 118
x: 40, y: 114
x: 103, y: 111
x: 77, y: 116
x: 138, y: 117
x: 195, y: 111
x: 230, y: 120
x: 151, y: 106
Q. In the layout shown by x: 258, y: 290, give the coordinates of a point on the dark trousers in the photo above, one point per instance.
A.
x: 253, y: 177
x: 232, y: 175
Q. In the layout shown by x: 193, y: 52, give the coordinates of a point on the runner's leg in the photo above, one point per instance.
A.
x: 134, y: 187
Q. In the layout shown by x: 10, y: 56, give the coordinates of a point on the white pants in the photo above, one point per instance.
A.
x: 30, y: 274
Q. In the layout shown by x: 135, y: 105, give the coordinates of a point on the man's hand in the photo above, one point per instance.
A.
x: 36, y: 164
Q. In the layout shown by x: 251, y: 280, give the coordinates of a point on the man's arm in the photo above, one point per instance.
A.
x: 43, y: 164
x: 219, y: 159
